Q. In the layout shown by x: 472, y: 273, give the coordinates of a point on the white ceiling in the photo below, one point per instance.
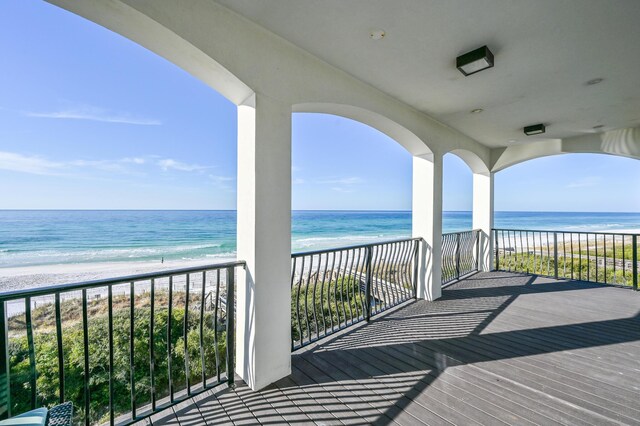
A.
x: 545, y: 51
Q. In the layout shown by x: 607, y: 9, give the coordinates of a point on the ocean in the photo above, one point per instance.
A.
x: 47, y: 237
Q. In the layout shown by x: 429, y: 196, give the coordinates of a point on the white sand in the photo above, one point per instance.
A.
x: 25, y: 277
x: 29, y: 277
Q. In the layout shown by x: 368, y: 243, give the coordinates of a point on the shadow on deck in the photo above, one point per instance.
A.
x: 497, y: 348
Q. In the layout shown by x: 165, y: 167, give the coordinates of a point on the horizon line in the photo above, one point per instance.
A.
x: 311, y: 210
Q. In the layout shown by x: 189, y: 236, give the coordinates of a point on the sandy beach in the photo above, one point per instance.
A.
x: 25, y: 277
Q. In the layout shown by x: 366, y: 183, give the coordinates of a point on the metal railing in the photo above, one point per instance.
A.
x: 334, y: 289
x: 120, y: 349
x: 460, y: 254
x: 599, y: 257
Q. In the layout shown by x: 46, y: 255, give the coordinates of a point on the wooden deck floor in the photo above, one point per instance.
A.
x: 498, y: 348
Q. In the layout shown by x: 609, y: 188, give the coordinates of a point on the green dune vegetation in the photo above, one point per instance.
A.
x: 46, y: 353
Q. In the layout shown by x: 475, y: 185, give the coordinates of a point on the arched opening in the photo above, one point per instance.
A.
x: 569, y: 183
x: 569, y: 216
x: 351, y: 183
x: 467, y: 215
x: 355, y: 256
x: 114, y: 163
x: 457, y: 194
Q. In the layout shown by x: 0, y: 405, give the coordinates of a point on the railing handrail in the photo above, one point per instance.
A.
x: 460, y: 232
x: 560, y: 231
x: 86, y: 285
x: 358, y: 246
x: 336, y: 288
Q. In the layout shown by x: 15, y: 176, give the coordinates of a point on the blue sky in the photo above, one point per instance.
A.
x: 89, y: 119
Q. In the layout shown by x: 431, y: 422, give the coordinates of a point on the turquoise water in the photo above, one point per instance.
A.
x: 53, y: 237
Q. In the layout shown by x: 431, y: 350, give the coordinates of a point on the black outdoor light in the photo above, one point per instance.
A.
x: 475, y: 61
x: 534, y: 129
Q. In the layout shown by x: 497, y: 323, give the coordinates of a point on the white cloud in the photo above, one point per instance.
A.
x: 340, y: 189
x: 221, y: 178
x: 95, y: 114
x: 134, y: 160
x: 222, y: 182
x: 586, y: 182
x: 28, y: 164
x: 32, y: 164
x: 171, y: 164
x: 354, y: 180
x: 298, y: 181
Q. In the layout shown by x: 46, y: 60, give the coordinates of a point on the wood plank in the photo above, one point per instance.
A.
x: 498, y: 348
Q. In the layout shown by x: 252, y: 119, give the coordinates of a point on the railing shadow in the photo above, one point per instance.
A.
x: 379, y: 373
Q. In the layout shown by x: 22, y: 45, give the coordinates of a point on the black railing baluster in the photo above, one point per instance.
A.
x: 58, y: 316
x: 306, y: 298
x: 497, y: 254
x: 387, y: 275
x: 634, y: 241
x: 596, y: 249
x: 528, y: 251
x: 521, y: 266
x: 478, y: 242
x: 596, y: 240
x: 615, y: 259
x: 580, y: 256
x: 152, y: 353
x: 555, y: 254
x: 111, y: 369
x: 403, y: 262
x: 202, y: 302
x: 340, y: 289
x: 82, y: 388
x: 32, y: 351
x: 215, y: 325
x: 185, y: 333
x: 329, y: 286
x: 85, y: 335
x: 345, y: 289
x: 231, y: 314
x: 169, y: 344
x: 324, y: 276
x: 367, y: 287
x: 5, y: 378
x: 416, y: 260
x: 564, y: 256
x: 604, y: 249
x: 132, y: 306
x: 358, y: 274
x: 316, y: 321
x: 458, y: 256
x: 299, y: 285
x: 588, y: 260
x: 572, y: 255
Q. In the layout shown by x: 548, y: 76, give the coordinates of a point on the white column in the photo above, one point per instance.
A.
x: 483, y: 216
x: 427, y: 222
x: 263, y: 342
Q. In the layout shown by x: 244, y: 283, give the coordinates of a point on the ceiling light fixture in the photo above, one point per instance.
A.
x: 475, y: 61
x: 534, y: 129
x: 377, y: 34
x: 594, y: 81
x: 476, y: 111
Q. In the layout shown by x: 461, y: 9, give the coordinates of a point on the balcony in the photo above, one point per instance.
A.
x: 553, y: 339
x: 497, y: 348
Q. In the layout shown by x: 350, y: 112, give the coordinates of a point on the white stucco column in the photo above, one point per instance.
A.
x: 427, y: 222
x: 263, y: 338
x: 483, y: 217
